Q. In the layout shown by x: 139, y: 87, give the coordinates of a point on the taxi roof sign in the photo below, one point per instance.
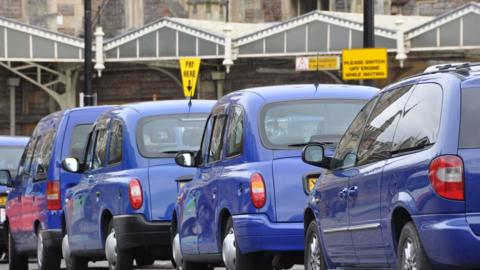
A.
x: 365, y: 64
x: 189, y: 68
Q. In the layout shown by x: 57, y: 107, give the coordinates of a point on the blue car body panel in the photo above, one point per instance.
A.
x: 104, y: 193
x: 361, y: 232
x: 222, y: 187
x: 27, y: 203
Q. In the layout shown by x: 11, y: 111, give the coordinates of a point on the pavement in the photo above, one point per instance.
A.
x: 104, y: 266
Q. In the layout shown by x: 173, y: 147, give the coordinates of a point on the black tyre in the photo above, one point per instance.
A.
x: 72, y: 262
x: 117, y: 259
x: 47, y: 259
x: 233, y: 259
x: 410, y: 252
x: 16, y: 261
x: 314, y: 259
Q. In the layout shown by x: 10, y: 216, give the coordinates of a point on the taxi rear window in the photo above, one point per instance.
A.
x: 165, y: 135
x: 470, y: 123
x: 292, y: 124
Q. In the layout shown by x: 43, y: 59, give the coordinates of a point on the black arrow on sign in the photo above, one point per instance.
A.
x: 189, y: 87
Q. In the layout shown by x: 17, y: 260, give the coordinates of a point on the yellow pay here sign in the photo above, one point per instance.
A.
x: 365, y: 64
x: 189, y: 68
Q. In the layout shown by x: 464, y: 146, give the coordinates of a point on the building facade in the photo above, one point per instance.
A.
x: 140, y: 81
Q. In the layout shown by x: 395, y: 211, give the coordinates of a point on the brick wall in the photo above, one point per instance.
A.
x: 113, y: 18
x: 11, y: 9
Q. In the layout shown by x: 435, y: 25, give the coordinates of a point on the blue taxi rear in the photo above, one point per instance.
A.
x: 123, y: 206
x: 34, y: 207
x: 245, y: 201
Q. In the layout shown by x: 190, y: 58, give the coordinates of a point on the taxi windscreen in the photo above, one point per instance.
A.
x: 295, y: 123
x: 164, y: 136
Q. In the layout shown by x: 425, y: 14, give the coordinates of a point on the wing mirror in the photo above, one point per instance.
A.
x: 186, y: 159
x: 71, y: 165
x: 5, y: 178
x: 314, y: 154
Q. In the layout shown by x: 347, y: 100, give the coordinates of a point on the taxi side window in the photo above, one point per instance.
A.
x: 115, y: 145
x: 215, y: 150
x: 43, y: 155
x: 25, y: 161
x: 99, y: 153
x: 235, y: 132
x: 207, y: 132
x: 30, y: 158
x: 376, y: 144
x: 345, y: 155
x: 90, y: 146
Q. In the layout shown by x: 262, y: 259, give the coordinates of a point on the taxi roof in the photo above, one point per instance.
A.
x: 19, y: 141
x: 309, y: 91
x: 170, y: 107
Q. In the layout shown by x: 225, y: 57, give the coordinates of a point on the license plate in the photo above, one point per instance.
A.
x: 3, y: 200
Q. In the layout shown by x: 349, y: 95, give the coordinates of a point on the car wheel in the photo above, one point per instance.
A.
x: 117, y: 259
x: 411, y: 255
x: 47, y: 259
x: 313, y: 249
x: 16, y: 261
x: 72, y: 262
x: 233, y: 259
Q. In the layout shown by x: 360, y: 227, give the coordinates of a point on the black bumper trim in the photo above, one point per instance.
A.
x: 52, y: 238
x: 134, y: 231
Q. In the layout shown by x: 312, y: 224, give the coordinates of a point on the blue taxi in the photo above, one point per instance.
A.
x: 402, y: 189
x: 122, y: 208
x: 243, y: 206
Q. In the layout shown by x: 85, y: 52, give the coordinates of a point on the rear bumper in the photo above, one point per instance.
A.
x: 52, y: 238
x: 256, y: 233
x: 449, y: 241
x: 134, y: 231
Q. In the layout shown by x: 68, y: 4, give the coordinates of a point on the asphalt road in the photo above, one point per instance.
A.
x: 103, y: 266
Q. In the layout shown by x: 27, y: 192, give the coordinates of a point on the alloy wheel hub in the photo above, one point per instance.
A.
x: 40, y: 248
x: 229, y: 250
x: 314, y: 258
x: 409, y: 256
x: 66, y: 250
x: 177, y: 253
x: 111, y: 250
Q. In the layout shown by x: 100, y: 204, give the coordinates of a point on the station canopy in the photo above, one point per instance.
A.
x: 22, y: 42
x: 318, y: 32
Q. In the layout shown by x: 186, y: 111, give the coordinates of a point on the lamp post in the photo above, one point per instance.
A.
x: 88, y: 91
x: 13, y: 83
x: 368, y: 28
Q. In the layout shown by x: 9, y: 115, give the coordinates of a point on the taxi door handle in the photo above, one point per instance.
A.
x: 214, y: 193
x: 353, y: 192
x: 343, y: 193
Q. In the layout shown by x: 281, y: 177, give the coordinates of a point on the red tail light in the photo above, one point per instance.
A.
x: 135, y: 193
x: 257, y: 190
x: 53, y: 195
x: 446, y: 176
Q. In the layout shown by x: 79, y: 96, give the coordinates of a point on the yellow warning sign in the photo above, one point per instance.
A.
x: 317, y: 63
x: 365, y: 64
x: 189, y: 68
